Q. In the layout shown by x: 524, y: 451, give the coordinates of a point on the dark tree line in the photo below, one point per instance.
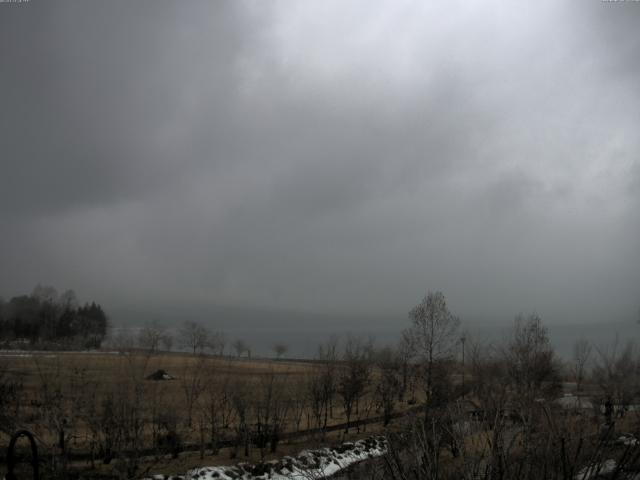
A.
x: 45, y: 317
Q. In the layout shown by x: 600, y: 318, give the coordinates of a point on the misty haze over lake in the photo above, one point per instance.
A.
x: 302, y: 332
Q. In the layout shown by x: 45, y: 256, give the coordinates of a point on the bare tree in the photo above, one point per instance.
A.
x: 404, y: 355
x: 387, y: 384
x: 433, y: 335
x: 167, y: 342
x: 533, y: 373
x: 240, y: 347
x: 353, y: 376
x: 193, y: 336
x: 297, y: 392
x: 616, y: 370
x: 581, y: 354
x: 51, y: 401
x: 269, y: 411
x: 124, y: 417
x: 217, y: 342
x: 317, y: 394
x: 240, y: 396
x: 11, y: 398
x: 150, y: 336
x: 321, y: 385
x: 192, y: 383
x: 533, y: 369
x: 216, y: 405
x: 328, y: 356
x: 280, y: 349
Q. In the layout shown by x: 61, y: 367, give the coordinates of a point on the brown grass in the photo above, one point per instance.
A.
x: 92, y: 376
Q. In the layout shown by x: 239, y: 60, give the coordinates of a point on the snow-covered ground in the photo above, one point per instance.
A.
x: 309, y: 464
x: 604, y: 469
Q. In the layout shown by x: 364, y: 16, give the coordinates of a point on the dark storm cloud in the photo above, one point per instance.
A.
x: 90, y: 93
x: 335, y: 157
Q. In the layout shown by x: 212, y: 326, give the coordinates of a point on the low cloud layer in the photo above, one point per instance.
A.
x: 338, y: 157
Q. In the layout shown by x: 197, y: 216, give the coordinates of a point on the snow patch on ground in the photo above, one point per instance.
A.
x: 627, y: 440
x: 597, y: 471
x: 309, y: 464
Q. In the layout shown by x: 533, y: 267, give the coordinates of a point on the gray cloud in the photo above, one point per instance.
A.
x: 335, y: 157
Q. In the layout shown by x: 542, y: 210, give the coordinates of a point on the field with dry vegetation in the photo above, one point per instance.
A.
x: 132, y: 412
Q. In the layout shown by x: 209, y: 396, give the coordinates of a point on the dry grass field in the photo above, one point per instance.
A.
x: 105, y: 371
x: 88, y: 408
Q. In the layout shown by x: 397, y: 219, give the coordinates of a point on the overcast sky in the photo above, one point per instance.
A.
x: 329, y: 157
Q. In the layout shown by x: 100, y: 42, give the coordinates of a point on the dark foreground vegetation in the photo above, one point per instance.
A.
x: 450, y: 407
